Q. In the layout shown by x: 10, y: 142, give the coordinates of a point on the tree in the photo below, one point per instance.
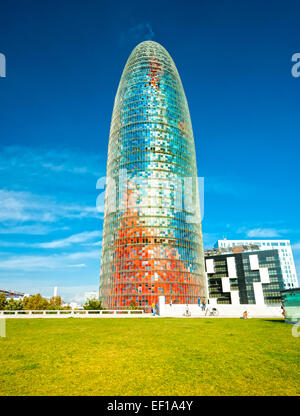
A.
x: 93, y: 304
x: 3, y: 301
x: 14, y: 305
x: 133, y: 305
x: 35, y: 302
x: 55, y: 303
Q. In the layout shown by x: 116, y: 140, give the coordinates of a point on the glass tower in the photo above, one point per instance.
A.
x: 152, y: 237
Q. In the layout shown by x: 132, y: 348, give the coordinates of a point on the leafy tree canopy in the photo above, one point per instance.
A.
x: 3, y: 301
x: 93, y: 304
x: 133, y: 305
x: 35, y: 302
x: 55, y: 303
x: 14, y: 305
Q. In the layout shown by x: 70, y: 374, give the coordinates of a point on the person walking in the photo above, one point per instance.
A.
x: 153, y: 308
x: 203, y: 305
x: 282, y: 310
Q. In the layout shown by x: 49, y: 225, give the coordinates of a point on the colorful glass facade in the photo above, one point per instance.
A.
x: 152, y: 237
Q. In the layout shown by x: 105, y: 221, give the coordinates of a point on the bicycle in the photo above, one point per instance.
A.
x: 212, y: 312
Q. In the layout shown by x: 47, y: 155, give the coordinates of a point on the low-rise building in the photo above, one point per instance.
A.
x: 291, y: 305
x: 284, y: 248
x: 12, y: 294
x: 244, y: 275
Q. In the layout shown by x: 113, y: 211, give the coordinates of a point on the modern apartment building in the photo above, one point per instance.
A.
x: 244, y: 276
x: 285, y: 254
x: 152, y: 237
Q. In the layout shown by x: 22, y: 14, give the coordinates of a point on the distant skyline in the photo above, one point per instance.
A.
x: 64, y: 61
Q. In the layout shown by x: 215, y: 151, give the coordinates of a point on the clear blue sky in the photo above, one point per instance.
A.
x: 64, y: 62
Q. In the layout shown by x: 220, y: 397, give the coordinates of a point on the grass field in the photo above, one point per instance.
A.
x: 163, y: 356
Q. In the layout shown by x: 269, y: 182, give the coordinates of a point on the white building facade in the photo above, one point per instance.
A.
x: 285, y: 254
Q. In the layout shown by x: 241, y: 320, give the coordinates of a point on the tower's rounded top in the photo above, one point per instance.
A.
x: 149, y: 44
x: 149, y: 62
x: 153, y: 51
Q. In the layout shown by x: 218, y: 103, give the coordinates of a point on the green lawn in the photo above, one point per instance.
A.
x: 160, y: 356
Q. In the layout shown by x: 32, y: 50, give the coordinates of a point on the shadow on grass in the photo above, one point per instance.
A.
x: 280, y: 321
